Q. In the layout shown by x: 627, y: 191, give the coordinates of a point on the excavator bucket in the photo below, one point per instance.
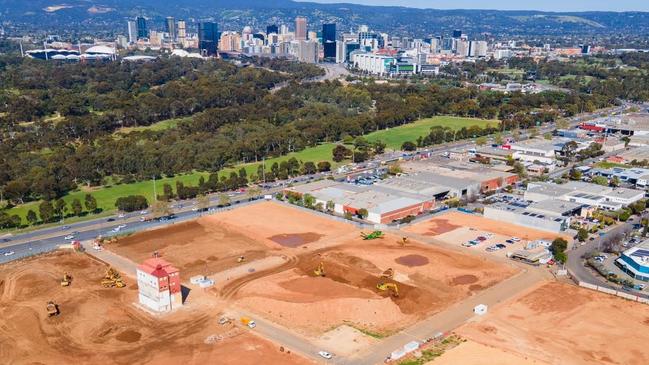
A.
x: 319, y: 271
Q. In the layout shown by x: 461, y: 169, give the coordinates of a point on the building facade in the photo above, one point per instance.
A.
x: 300, y: 28
x: 208, y: 38
x: 159, y: 285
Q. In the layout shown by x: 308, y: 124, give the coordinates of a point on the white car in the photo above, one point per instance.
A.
x: 121, y: 226
x: 69, y: 237
x: 9, y: 253
x: 121, y: 216
x: 325, y: 354
x: 252, y: 324
x: 515, y: 239
x: 144, y: 212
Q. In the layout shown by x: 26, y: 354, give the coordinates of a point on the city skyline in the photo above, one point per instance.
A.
x: 551, y: 5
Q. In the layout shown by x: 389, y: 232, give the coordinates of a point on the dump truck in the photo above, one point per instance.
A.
x: 372, y: 236
x: 66, y: 280
x: 319, y: 271
x: 52, y: 309
x: 388, y: 286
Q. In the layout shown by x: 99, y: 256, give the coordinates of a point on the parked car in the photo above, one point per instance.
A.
x: 325, y: 354
x: 9, y: 253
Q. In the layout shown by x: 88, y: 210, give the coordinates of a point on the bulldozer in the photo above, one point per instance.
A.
x: 372, y: 236
x: 388, y: 274
x: 112, y: 279
x: 241, y: 259
x: 388, y: 286
x: 319, y: 271
x: 66, y: 280
x: 52, y: 309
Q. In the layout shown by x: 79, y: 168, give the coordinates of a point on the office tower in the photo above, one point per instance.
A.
x: 329, y: 41
x: 340, y: 52
x: 132, y: 31
x: 142, y: 31
x: 283, y: 29
x: 307, y: 51
x: 170, y: 27
x: 457, y: 33
x: 477, y: 49
x: 300, y: 28
x: 182, y: 31
x: 122, y: 41
x: 208, y: 38
x: 349, y: 48
x: 462, y: 48
x: 363, y: 29
x: 272, y: 29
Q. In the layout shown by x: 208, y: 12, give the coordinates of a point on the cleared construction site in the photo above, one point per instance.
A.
x: 91, y: 319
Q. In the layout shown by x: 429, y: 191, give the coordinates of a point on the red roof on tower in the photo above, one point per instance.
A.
x: 157, y: 267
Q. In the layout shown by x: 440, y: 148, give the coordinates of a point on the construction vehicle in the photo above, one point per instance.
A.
x: 388, y: 286
x: 319, y: 271
x: 52, y: 309
x: 248, y: 322
x: 241, y: 259
x: 372, y: 236
x: 388, y: 274
x: 112, y: 279
x: 67, y: 280
x: 403, y: 241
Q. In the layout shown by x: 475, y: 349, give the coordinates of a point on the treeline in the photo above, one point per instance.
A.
x: 47, y: 159
x: 50, y: 211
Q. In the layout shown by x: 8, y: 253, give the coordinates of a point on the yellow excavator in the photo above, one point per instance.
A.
x: 52, y: 309
x: 403, y: 241
x: 66, y: 280
x: 241, y: 259
x: 388, y: 274
x: 388, y: 286
x: 319, y: 271
x: 112, y: 279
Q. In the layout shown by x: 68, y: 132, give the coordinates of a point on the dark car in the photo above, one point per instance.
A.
x: 110, y: 220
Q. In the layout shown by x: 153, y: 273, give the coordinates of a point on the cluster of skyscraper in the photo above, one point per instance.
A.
x: 175, y: 32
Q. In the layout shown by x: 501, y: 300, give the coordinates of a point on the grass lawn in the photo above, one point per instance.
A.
x: 610, y: 165
x: 160, y: 126
x: 395, y: 137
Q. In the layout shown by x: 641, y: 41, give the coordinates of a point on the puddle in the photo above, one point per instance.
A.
x: 295, y: 239
x: 412, y: 260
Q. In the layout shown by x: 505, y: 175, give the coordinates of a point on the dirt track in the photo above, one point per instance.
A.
x: 99, y: 325
x: 565, y: 325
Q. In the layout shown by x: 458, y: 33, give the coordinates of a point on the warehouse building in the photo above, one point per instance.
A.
x: 603, y: 197
x: 551, y: 216
x: 383, y: 203
x: 159, y: 285
x: 635, y: 261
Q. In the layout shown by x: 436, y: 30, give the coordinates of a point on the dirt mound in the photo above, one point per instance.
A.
x: 344, y: 269
x: 412, y: 260
x: 295, y: 239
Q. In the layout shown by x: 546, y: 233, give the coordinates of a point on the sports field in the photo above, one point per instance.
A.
x: 395, y: 137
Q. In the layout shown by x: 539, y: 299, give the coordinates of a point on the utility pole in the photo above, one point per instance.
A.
x: 263, y: 168
x: 155, y: 195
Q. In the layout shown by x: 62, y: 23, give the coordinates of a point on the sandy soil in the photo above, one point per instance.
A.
x: 429, y: 280
x: 452, y: 220
x: 99, y: 325
x: 473, y: 353
x: 562, y: 324
x: 196, y: 247
x: 283, y: 225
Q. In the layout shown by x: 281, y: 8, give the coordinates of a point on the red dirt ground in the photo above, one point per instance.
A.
x: 563, y: 324
x: 452, y: 220
x: 102, y: 326
x: 298, y: 299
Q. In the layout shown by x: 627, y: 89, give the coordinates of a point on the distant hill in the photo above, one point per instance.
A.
x: 109, y: 15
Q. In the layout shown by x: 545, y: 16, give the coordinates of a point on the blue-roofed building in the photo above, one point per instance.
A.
x: 635, y: 261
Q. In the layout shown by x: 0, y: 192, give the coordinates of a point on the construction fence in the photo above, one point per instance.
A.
x: 602, y: 289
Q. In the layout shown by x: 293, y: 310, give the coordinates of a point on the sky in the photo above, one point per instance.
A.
x: 545, y: 5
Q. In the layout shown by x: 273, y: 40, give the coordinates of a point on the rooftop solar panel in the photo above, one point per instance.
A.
x: 640, y: 253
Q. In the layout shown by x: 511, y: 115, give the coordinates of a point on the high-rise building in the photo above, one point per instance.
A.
x: 462, y: 48
x: 307, y: 51
x: 170, y: 27
x: 340, y: 52
x: 182, y: 31
x: 300, y: 28
x: 457, y: 33
x: 477, y: 49
x: 329, y: 41
x: 142, y: 31
x: 208, y: 38
x: 272, y: 29
x: 132, y: 31
x: 283, y: 29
